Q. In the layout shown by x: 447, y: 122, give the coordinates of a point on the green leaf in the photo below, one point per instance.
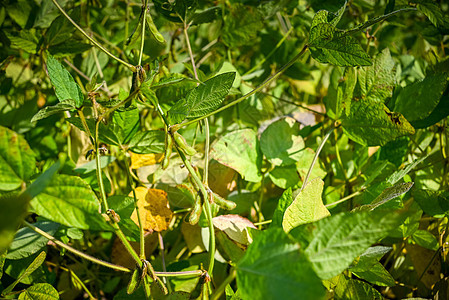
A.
x: 351, y: 289
x: 274, y: 267
x: 239, y: 150
x: 241, y: 25
x: 425, y: 239
x: 367, y: 267
x: 69, y: 200
x: 17, y: 160
x: 126, y: 123
x: 340, y: 92
x: 92, y: 165
x: 340, y: 238
x: 65, y: 86
x: 377, y: 81
x: 27, y: 242
x: 371, y: 123
x: 26, y: 40
x: 51, y: 110
x: 41, y: 291
x: 307, y: 206
x: 203, y: 99
x: 389, y: 194
x: 324, y: 16
x: 433, y: 203
x: 122, y: 205
x: 284, y: 202
x: 418, y: 100
x: 206, y: 16
x: 281, y: 142
x: 145, y: 142
x: 434, y: 13
x: 284, y: 176
x: 14, y: 209
x: 399, y: 174
x: 30, y: 269
x: 330, y: 45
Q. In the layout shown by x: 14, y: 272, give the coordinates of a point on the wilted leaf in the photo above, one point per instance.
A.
x: 154, y: 209
x: 140, y: 160
x: 235, y: 227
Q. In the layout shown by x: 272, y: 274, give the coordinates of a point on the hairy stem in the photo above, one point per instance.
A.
x: 142, y: 37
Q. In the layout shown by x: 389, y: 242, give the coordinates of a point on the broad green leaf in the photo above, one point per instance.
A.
x: 388, y: 194
x: 41, y: 291
x: 284, y: 202
x: 340, y: 92
x: 434, y: 13
x: 367, y: 267
x: 145, y: 142
x: 65, y: 86
x: 339, y: 239
x: 107, y: 134
x: 206, y: 16
x: 274, y: 267
x: 51, y: 110
x: 284, y: 176
x: 330, y: 45
x: 377, y: 81
x: 122, y: 205
x: 324, y: 16
x: 69, y: 200
x: 27, y: 242
x: 241, y: 25
x: 14, y: 210
x: 425, y: 239
x: 352, y: 289
x: 17, y: 160
x: 307, y: 206
x: 281, y: 142
x: 239, y: 150
x: 433, y: 203
x: 127, y: 123
x: 418, y: 100
x: 26, y: 40
x: 30, y: 269
x: 371, y: 123
x: 91, y: 166
x: 203, y: 99
x: 303, y: 165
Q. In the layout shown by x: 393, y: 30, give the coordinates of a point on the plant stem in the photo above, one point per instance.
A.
x: 249, y: 94
x: 128, y: 65
x: 114, y: 225
x: 345, y: 198
x: 142, y: 38
x: 136, y: 206
x: 222, y: 287
x: 206, y: 207
x: 75, y: 251
x: 112, y: 109
x: 315, y: 158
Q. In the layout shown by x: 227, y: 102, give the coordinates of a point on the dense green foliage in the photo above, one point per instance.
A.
x: 229, y: 149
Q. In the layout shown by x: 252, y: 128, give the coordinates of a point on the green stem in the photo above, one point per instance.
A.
x: 142, y: 38
x: 114, y: 225
x: 139, y: 218
x: 75, y: 251
x: 315, y: 158
x: 128, y: 65
x: 207, y: 207
x: 82, y: 284
x: 345, y: 198
x: 249, y: 94
x: 219, y: 291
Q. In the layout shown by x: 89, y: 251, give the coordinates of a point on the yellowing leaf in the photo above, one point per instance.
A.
x: 307, y: 206
x: 154, y: 209
x: 140, y: 160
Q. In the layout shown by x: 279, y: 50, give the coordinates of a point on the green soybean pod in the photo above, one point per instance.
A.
x: 223, y: 203
x: 196, y: 212
x: 134, y: 282
x: 157, y: 35
x: 181, y: 141
x: 168, y: 150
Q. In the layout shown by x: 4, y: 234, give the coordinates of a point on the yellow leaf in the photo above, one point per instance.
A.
x: 140, y: 160
x: 154, y: 209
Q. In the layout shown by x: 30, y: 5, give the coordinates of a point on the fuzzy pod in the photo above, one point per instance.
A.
x: 134, y: 282
x: 223, y: 203
x: 153, y: 29
x: 181, y: 142
x: 196, y: 212
x: 168, y: 151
